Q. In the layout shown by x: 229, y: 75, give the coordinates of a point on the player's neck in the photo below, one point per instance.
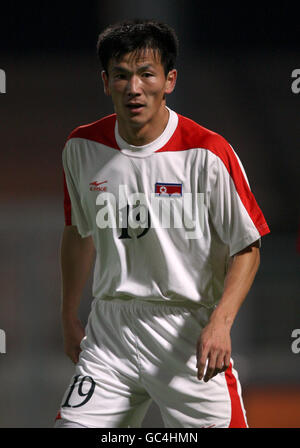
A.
x: 148, y: 132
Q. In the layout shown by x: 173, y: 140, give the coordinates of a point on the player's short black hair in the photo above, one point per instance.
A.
x: 135, y: 35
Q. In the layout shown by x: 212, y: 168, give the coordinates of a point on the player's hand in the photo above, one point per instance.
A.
x: 213, y: 348
x: 73, y: 333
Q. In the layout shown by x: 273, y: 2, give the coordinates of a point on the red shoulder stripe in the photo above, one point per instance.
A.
x: 221, y: 148
x: 190, y: 135
x: 100, y: 131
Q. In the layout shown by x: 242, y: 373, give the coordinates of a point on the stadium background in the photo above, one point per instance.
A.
x: 235, y: 70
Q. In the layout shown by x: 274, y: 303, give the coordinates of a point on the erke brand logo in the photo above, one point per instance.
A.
x: 98, y: 186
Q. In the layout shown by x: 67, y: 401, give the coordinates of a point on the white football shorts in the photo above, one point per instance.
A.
x: 135, y: 352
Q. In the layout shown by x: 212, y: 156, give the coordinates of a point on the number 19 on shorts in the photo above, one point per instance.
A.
x: 86, y: 386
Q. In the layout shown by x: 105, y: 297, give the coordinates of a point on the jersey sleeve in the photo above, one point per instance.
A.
x: 73, y: 210
x: 233, y: 209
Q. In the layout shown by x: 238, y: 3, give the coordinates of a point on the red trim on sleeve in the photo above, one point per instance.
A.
x: 237, y: 415
x: 67, y: 203
x: 190, y: 135
x: 226, y: 154
x: 101, y: 131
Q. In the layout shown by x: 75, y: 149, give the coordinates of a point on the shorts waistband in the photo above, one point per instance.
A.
x: 151, y: 303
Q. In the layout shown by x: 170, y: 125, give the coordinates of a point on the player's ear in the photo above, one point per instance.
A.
x: 104, y: 77
x: 171, y: 81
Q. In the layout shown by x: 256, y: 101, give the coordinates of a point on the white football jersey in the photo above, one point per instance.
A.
x: 164, y: 217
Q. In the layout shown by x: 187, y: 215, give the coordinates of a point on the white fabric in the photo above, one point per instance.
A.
x: 173, y: 264
x: 136, y: 352
x: 63, y: 423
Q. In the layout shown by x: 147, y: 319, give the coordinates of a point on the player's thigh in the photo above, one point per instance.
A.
x: 170, y: 374
x: 105, y: 390
x: 191, y: 403
x: 103, y: 400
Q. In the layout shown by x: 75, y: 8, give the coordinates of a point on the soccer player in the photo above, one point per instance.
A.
x: 162, y: 208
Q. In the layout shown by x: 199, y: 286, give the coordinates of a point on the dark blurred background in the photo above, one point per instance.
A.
x: 235, y: 66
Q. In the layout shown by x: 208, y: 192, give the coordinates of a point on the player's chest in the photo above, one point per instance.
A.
x: 120, y: 176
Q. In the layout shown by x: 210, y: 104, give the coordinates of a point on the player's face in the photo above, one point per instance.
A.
x: 137, y: 84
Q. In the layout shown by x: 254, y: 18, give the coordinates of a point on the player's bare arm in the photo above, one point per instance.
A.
x: 214, y: 343
x: 77, y: 259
